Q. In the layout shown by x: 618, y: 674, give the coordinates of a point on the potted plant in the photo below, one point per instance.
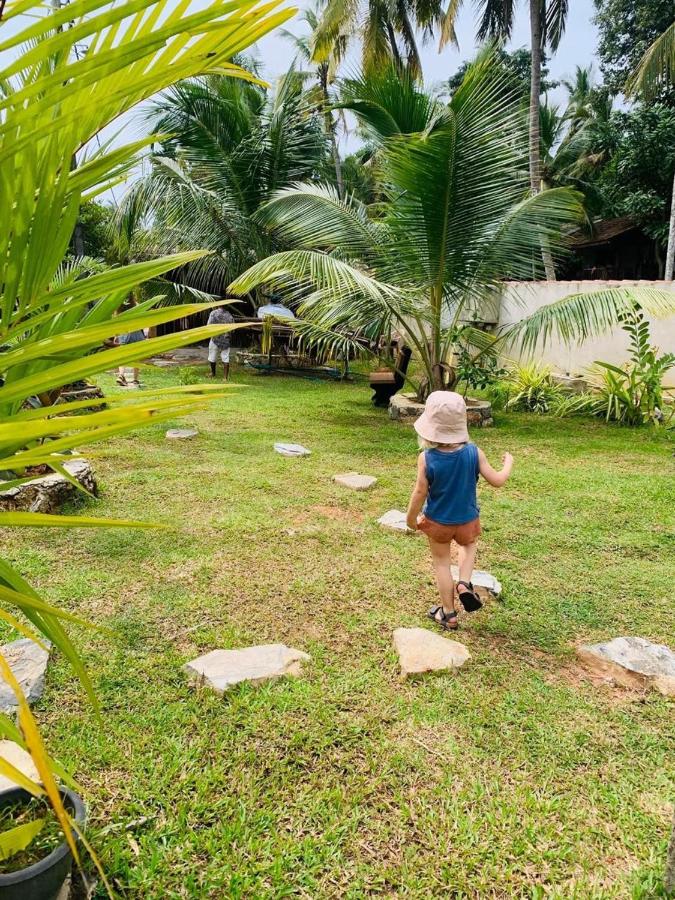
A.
x: 34, y: 854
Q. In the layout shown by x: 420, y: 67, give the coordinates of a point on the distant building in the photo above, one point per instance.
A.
x: 612, y: 249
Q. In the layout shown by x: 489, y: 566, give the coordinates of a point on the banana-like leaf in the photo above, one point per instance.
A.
x: 16, y: 518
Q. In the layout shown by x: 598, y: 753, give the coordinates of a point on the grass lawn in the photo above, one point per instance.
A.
x: 514, y: 777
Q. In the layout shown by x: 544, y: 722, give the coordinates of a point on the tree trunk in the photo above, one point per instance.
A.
x: 669, y: 881
x: 670, y: 256
x: 393, y: 45
x: 535, y: 101
x: 329, y: 125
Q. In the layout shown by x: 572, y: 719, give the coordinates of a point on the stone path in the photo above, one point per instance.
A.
x: 28, y: 662
x: 633, y: 662
x: 291, y: 449
x: 181, y: 434
x: 394, y: 520
x: 420, y: 651
x: 355, y: 481
x: 221, y: 669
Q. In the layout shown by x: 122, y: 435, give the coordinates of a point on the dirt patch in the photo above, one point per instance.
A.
x: 337, y: 513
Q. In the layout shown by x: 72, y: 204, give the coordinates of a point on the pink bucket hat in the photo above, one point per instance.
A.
x: 444, y: 419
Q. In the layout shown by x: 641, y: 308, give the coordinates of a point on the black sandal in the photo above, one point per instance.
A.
x: 469, y: 598
x: 447, y: 621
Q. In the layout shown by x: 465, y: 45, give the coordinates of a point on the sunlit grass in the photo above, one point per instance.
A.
x: 514, y: 777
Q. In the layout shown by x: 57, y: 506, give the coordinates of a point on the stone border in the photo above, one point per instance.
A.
x: 405, y: 408
x: 48, y: 493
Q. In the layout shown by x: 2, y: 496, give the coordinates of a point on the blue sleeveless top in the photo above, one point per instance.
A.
x: 452, y: 477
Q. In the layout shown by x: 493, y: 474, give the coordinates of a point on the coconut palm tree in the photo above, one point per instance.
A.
x: 386, y: 30
x: 231, y: 145
x: 455, y: 219
x: 324, y: 72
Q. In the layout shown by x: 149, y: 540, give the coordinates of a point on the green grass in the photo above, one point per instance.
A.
x: 514, y: 777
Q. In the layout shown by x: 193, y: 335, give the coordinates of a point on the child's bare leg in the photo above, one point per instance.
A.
x: 440, y: 555
x: 467, y: 559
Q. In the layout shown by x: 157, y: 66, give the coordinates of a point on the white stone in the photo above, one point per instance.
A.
x: 633, y: 662
x: 20, y: 759
x: 28, y: 662
x: 420, y: 650
x: 394, y: 520
x: 355, y: 481
x: 479, y: 580
x: 221, y: 669
x: 181, y: 434
x: 291, y: 449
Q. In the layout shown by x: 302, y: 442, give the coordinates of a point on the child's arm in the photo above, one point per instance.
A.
x: 492, y: 476
x: 419, y: 494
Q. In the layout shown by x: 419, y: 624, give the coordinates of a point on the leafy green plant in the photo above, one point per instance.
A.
x: 454, y: 221
x: 530, y: 388
x: 479, y: 371
x: 52, y: 326
x: 632, y: 394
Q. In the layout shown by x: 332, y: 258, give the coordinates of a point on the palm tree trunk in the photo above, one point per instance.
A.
x: 329, y: 125
x: 535, y: 100
x: 393, y: 45
x: 670, y: 861
x: 670, y: 256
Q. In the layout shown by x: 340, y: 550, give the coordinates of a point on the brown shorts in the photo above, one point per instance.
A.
x: 444, y: 534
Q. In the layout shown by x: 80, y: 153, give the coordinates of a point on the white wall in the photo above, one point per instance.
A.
x: 521, y: 298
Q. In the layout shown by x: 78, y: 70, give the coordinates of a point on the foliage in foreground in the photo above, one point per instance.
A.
x: 52, y: 103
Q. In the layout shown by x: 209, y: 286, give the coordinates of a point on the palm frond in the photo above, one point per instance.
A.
x: 656, y: 68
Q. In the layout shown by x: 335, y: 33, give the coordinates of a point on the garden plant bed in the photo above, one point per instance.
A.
x: 500, y: 779
x: 405, y: 408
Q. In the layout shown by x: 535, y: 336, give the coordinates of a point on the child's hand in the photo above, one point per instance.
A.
x: 507, y: 460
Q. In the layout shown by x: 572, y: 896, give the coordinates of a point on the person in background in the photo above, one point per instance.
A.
x: 221, y: 342
x: 130, y: 337
x: 447, y: 473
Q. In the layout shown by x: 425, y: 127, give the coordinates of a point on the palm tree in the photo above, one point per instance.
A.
x: 380, y: 26
x: 455, y: 219
x: 231, y: 145
x: 52, y: 103
x: 324, y: 72
x: 657, y: 69
x: 547, y: 25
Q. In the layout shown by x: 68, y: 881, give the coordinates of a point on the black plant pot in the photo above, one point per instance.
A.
x: 42, y: 880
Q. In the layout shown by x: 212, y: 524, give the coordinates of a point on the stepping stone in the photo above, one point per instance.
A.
x: 20, y: 759
x: 28, y: 662
x: 394, y: 520
x: 221, y: 669
x: 181, y: 434
x: 291, y: 449
x: 633, y: 662
x: 485, y: 583
x: 420, y: 650
x: 355, y: 481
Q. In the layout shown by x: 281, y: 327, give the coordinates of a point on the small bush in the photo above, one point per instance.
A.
x: 529, y: 388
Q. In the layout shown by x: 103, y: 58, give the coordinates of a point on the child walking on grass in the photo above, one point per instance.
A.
x: 447, y: 473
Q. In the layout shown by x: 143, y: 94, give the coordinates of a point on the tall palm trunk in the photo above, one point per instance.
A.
x: 535, y: 102
x: 670, y: 256
x: 329, y: 125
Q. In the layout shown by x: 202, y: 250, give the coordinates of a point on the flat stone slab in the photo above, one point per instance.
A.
x: 181, y: 434
x: 420, y: 650
x: 633, y: 662
x: 394, y: 520
x: 221, y: 669
x: 48, y: 493
x: 20, y: 759
x: 28, y: 662
x: 291, y: 449
x: 482, y: 581
x: 355, y: 481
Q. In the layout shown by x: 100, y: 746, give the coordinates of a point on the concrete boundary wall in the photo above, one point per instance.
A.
x: 522, y: 298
